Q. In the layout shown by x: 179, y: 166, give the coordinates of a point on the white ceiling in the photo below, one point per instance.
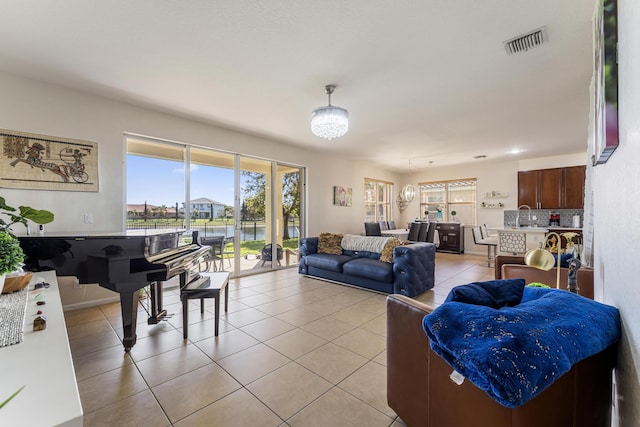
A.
x: 426, y: 80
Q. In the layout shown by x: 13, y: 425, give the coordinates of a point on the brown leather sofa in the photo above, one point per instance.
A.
x: 513, y: 266
x: 420, y: 391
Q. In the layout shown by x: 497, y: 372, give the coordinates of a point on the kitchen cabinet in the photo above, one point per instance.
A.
x: 556, y: 188
x: 573, y: 188
x: 451, y: 237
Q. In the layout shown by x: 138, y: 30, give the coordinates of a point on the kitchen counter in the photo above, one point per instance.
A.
x: 531, y: 229
x: 518, y: 240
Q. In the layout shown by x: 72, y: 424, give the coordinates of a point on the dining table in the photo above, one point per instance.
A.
x: 400, y: 233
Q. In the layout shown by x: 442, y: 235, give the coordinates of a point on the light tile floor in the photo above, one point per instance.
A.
x: 292, y: 351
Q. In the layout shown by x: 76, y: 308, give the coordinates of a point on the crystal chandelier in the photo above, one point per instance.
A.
x: 329, y: 122
x: 406, y: 196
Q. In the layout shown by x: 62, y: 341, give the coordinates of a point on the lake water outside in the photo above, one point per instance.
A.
x: 248, y: 231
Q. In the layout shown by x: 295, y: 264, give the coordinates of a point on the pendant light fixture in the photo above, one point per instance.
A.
x: 406, y: 194
x: 329, y: 122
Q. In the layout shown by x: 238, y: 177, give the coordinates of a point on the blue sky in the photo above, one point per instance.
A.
x: 161, y: 182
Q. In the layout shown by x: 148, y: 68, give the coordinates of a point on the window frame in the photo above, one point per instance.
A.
x: 382, y: 209
x: 447, y: 204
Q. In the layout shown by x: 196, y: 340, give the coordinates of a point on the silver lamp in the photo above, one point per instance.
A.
x: 329, y: 122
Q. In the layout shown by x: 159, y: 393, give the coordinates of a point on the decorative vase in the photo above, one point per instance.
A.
x: 16, y: 281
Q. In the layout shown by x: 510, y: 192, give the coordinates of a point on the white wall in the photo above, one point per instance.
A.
x: 490, y: 175
x: 616, y: 186
x: 41, y: 108
x: 567, y: 160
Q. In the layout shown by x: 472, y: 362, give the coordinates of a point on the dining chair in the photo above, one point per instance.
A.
x: 392, y: 225
x: 217, y: 248
x: 383, y: 225
x: 225, y: 253
x: 431, y: 232
x: 372, y: 229
x: 424, y: 230
x: 414, y: 231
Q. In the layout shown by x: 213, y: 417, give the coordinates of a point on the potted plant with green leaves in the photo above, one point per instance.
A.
x: 11, y: 254
x: 21, y: 215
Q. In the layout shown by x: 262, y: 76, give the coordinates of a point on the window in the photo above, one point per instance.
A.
x: 250, y: 202
x: 444, y: 198
x: 377, y: 200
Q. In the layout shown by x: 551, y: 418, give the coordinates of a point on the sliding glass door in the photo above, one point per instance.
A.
x: 155, y: 185
x: 211, y: 200
x: 250, y: 208
x: 290, y: 182
x: 256, y: 214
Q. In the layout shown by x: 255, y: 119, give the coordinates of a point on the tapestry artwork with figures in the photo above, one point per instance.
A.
x: 47, y: 162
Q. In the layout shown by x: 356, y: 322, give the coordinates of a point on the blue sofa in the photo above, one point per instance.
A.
x: 410, y: 274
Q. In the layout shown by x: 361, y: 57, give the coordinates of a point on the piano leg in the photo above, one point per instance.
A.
x: 129, y: 308
x: 157, y: 313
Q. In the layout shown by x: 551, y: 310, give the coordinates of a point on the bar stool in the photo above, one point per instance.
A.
x: 489, y: 242
x: 207, y: 285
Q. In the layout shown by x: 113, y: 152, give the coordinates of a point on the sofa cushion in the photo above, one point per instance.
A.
x: 329, y: 243
x: 370, y: 269
x: 328, y: 262
x: 361, y: 254
x: 387, y: 252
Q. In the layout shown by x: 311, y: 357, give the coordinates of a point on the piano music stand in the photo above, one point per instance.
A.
x: 209, y: 285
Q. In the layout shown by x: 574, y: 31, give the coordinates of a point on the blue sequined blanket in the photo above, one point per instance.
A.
x: 514, y: 353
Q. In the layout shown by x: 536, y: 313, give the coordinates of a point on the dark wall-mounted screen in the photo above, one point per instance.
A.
x: 606, y: 135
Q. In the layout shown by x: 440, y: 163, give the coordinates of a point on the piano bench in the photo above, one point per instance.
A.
x: 208, y: 285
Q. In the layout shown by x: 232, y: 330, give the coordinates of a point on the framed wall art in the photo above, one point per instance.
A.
x: 41, y: 162
x: 342, y: 196
x: 606, y: 82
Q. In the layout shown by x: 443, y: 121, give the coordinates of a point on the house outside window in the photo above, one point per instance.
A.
x: 443, y: 198
x: 204, y: 208
x: 377, y: 200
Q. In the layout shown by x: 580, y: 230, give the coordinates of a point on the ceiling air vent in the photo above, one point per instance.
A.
x: 524, y: 42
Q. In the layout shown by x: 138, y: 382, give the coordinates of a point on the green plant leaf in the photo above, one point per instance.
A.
x: 3, y: 205
x: 11, y: 397
x: 35, y: 215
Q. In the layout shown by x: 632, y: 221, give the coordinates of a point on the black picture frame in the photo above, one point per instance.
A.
x: 606, y: 82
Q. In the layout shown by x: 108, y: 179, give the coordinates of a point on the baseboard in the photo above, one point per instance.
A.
x: 91, y: 303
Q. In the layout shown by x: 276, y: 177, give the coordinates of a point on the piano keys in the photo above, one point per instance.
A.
x: 122, y: 262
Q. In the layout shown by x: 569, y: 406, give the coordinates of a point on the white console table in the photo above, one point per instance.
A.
x: 42, y: 363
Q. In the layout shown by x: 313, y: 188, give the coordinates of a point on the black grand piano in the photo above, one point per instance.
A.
x: 123, y: 262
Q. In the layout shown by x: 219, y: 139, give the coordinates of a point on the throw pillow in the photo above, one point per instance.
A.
x: 564, y: 260
x: 330, y: 243
x: 387, y: 252
x: 538, y: 285
x: 493, y: 293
